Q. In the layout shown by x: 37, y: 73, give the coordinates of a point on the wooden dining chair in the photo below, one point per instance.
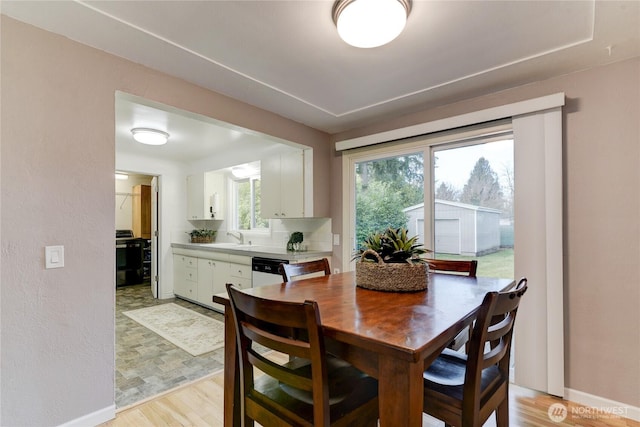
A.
x: 449, y: 266
x: 289, y: 271
x: 312, y: 389
x: 464, y: 390
x: 454, y: 266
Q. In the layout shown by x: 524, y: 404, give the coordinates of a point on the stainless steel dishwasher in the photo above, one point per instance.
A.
x: 265, y: 271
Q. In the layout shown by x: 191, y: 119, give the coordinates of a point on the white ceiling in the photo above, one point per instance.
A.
x: 286, y: 56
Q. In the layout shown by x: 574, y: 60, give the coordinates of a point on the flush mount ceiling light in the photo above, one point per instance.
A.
x: 150, y: 136
x: 370, y: 23
x: 245, y: 171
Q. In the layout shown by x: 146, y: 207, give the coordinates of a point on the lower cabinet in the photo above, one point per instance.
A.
x: 212, y: 276
x: 198, y: 278
x: 185, y: 276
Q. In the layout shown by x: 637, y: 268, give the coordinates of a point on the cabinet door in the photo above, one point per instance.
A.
x: 195, y: 197
x: 215, y: 195
x: 282, y: 186
x: 270, y: 187
x: 292, y: 185
x: 206, y: 272
x: 212, y: 277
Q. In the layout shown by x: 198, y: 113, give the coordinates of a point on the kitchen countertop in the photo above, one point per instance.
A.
x: 253, y: 250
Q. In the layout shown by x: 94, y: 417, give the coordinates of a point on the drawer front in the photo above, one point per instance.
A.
x: 187, y: 261
x: 191, y: 275
x: 240, y: 271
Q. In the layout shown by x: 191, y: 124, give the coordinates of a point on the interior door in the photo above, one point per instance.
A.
x: 154, y: 236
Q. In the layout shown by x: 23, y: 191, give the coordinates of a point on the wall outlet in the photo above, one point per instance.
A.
x: 336, y: 271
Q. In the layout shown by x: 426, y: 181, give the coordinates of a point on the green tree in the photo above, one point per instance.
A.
x: 377, y: 208
x: 483, y: 187
x: 446, y: 191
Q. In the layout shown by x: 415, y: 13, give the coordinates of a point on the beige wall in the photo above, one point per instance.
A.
x: 57, y: 165
x: 602, y: 214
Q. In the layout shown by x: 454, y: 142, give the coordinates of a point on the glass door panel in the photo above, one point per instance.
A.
x: 473, y: 205
x: 387, y: 191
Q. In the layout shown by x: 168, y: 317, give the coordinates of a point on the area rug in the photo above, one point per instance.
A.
x: 193, y: 332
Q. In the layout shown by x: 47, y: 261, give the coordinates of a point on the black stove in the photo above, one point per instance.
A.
x: 129, y: 257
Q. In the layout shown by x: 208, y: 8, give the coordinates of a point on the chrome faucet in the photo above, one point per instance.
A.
x: 238, y: 235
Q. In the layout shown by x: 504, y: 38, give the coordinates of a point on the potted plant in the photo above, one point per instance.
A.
x: 294, y: 242
x: 392, y: 261
x: 202, y: 235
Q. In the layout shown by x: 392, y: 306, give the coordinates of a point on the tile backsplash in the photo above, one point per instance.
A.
x: 316, y: 231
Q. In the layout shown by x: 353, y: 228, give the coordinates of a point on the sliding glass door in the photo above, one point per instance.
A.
x: 472, y: 198
x: 459, y: 202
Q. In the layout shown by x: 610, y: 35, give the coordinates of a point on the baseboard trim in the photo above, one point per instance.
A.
x: 606, y: 407
x: 93, y: 419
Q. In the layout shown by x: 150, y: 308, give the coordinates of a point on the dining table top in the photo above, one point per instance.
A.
x: 403, y: 323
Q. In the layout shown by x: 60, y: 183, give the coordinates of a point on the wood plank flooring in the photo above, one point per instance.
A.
x: 199, y: 403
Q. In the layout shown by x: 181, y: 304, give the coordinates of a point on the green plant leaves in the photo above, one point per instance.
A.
x: 394, y: 246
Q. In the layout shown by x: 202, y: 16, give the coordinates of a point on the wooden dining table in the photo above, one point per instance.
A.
x: 392, y: 336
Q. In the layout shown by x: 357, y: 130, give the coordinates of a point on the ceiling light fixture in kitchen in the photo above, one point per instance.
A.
x: 150, y: 136
x: 370, y: 23
x: 246, y: 170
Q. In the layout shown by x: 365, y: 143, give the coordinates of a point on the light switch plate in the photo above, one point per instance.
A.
x: 54, y: 256
x: 336, y: 240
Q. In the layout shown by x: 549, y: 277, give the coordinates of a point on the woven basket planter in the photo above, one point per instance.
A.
x: 202, y: 239
x: 391, y: 277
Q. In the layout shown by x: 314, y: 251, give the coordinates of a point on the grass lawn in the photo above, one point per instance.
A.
x: 497, y: 264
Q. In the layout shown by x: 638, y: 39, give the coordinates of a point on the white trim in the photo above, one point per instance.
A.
x: 538, y: 238
x: 94, y: 418
x: 586, y: 399
x: 490, y: 114
x: 554, y: 248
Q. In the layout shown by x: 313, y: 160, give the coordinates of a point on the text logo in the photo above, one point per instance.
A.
x: 557, y: 412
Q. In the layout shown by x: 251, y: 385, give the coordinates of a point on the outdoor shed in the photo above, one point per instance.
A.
x: 460, y: 229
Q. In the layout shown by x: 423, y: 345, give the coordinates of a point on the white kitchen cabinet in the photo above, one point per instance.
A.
x: 212, y: 277
x: 240, y: 275
x: 198, y: 275
x: 282, y: 186
x: 185, y: 276
x: 206, y: 195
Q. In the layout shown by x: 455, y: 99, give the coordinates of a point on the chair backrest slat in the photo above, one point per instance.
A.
x: 291, y: 271
x: 493, y: 326
x: 454, y: 266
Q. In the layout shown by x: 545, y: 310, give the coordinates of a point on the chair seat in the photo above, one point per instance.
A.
x: 446, y: 375
x: 348, y: 388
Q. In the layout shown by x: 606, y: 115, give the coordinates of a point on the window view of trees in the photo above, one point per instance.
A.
x: 489, y: 184
x: 384, y: 189
x: 473, y: 192
x: 248, y: 204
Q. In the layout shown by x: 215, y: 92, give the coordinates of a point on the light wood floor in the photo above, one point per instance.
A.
x: 200, y: 404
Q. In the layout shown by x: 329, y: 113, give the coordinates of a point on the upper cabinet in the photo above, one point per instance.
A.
x: 206, y: 196
x: 282, y: 186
